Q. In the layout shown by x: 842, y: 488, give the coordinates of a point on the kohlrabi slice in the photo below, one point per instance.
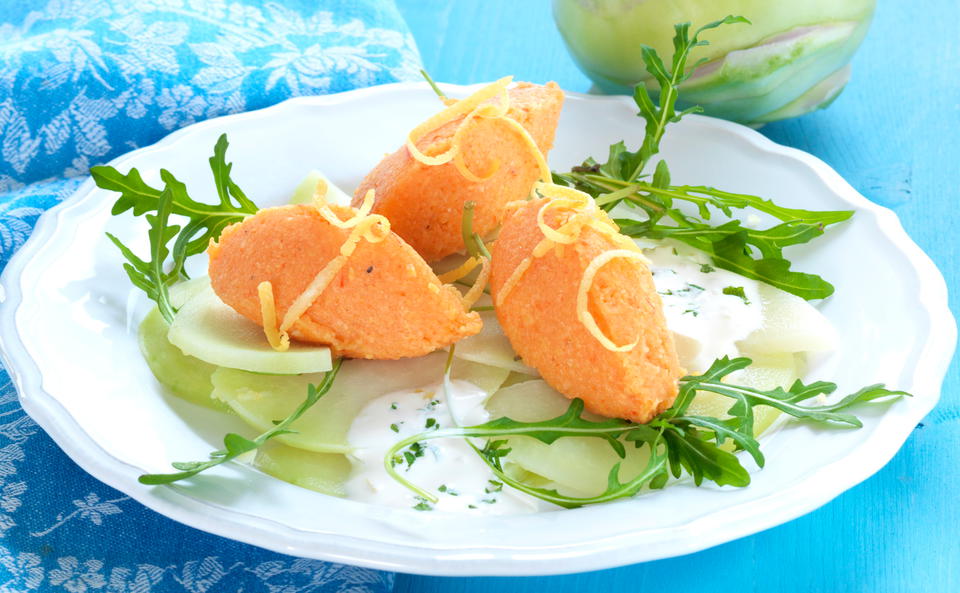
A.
x: 765, y: 373
x: 492, y: 347
x: 181, y: 292
x: 323, y: 472
x: 790, y: 324
x: 578, y: 465
x: 210, y: 330
x: 185, y: 376
x: 304, y: 192
x: 260, y: 399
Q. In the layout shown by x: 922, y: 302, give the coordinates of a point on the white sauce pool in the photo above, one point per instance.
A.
x: 707, y: 322
x: 449, y: 468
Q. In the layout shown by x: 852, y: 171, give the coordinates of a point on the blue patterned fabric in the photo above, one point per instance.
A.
x: 81, y: 82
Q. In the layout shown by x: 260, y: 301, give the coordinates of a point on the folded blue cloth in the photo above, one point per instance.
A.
x: 81, y: 82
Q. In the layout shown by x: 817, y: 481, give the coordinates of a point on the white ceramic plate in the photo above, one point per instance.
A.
x: 69, y: 319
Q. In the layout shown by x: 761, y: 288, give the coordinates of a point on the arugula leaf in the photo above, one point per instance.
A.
x: 678, y: 443
x: 150, y: 277
x: 205, y: 221
x: 235, y: 445
x: 659, y: 116
x: 754, y: 253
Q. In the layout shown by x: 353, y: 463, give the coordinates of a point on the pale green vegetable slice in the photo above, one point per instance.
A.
x: 767, y: 372
x: 261, y: 399
x: 578, y: 465
x: 185, y: 376
x: 581, y: 465
x: 492, y: 347
x: 487, y: 377
x: 181, y: 292
x: 790, y: 324
x: 304, y: 192
x: 323, y: 472
x: 210, y: 330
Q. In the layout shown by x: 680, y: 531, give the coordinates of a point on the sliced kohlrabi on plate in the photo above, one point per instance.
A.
x: 185, y: 376
x: 790, y: 324
x: 765, y: 373
x: 181, y: 292
x: 323, y: 472
x: 304, y: 192
x: 577, y: 465
x: 492, y: 347
x: 260, y: 399
x: 210, y: 330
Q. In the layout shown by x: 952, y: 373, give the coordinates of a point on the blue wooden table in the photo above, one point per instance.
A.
x: 895, y: 135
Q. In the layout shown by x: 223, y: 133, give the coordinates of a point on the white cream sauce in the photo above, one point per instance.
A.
x: 706, y: 322
x: 449, y: 468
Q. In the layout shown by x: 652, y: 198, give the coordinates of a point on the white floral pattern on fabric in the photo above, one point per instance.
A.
x: 112, y: 74
x: 82, y: 81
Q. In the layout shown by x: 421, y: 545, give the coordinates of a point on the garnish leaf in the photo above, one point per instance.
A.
x: 678, y: 443
x: 205, y: 221
x: 754, y: 253
x: 149, y: 276
x: 235, y: 445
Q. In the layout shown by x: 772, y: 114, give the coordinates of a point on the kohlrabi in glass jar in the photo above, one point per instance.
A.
x: 793, y: 59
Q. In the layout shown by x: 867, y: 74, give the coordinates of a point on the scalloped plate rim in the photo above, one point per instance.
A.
x: 599, y: 552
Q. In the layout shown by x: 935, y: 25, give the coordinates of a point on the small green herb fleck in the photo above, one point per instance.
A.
x: 448, y: 491
x: 707, y: 268
x: 393, y: 406
x: 431, y: 422
x: 394, y: 428
x: 693, y: 312
x: 494, y: 486
x: 738, y: 292
x: 422, y: 504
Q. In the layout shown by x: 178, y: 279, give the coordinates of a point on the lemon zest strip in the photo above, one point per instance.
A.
x: 279, y: 341
x: 460, y: 271
x: 583, y: 291
x: 454, y: 111
x: 476, y: 291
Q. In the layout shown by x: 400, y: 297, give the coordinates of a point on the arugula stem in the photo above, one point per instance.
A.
x: 432, y: 84
x: 236, y: 445
x: 675, y: 440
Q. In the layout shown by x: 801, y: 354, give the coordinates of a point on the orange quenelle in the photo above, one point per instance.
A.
x: 539, y: 314
x: 424, y: 203
x: 384, y: 303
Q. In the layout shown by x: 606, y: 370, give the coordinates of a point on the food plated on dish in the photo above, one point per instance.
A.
x: 625, y: 341
x: 92, y: 391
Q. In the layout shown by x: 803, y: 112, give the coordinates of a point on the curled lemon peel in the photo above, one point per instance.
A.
x: 454, y: 111
x: 373, y: 228
x: 586, y: 214
x: 363, y: 226
x: 567, y: 233
x: 460, y: 271
x: 583, y: 293
x: 279, y: 341
x: 323, y: 207
x: 476, y: 291
x: 469, y: 109
x: 545, y: 175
